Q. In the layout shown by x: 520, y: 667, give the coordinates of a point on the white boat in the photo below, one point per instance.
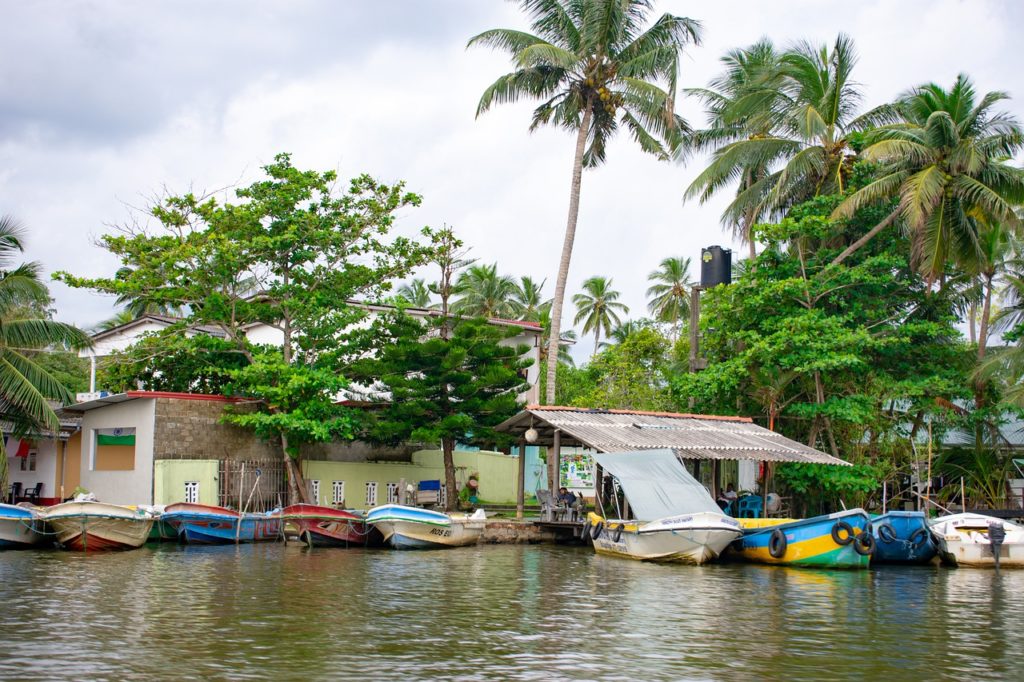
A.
x: 676, y: 519
x: 690, y: 538
x: 20, y: 527
x: 96, y: 526
x: 414, y: 528
x: 963, y: 540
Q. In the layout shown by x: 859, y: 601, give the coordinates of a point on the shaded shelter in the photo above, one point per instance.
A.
x: 690, y: 436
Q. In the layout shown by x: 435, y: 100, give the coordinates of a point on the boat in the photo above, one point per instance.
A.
x: 963, y: 540
x: 902, y: 537
x: 838, y: 540
x: 89, y: 526
x: 20, y: 527
x: 319, y: 526
x: 205, y: 524
x: 676, y: 519
x: 414, y: 528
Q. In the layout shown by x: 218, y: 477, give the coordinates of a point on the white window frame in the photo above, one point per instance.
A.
x: 371, y: 493
x: 194, y: 487
x: 337, y: 492
x: 315, y: 485
x: 392, y: 493
x: 442, y: 495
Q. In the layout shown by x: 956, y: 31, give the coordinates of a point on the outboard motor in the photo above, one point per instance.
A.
x: 996, y: 536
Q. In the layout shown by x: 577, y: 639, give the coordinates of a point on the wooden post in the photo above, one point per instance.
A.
x: 764, y: 490
x: 716, y: 478
x: 598, y: 480
x: 554, y: 463
x: 521, y: 482
x: 928, y: 490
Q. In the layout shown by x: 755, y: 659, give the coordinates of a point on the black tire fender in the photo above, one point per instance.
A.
x: 777, y: 544
x: 595, y: 532
x: 886, y: 533
x: 864, y: 544
x: 618, y: 532
x: 919, y: 537
x: 842, y: 527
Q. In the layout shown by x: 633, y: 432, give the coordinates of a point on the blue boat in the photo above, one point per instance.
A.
x: 208, y: 525
x: 20, y: 527
x: 903, y: 537
x: 831, y: 541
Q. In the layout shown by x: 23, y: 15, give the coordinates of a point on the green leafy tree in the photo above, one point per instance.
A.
x: 443, y: 389
x: 483, y: 292
x: 669, y: 292
x: 292, y: 255
x: 598, y: 308
x: 27, y: 385
x: 631, y: 375
x: 177, y: 362
x: 944, y: 166
x: 594, y: 67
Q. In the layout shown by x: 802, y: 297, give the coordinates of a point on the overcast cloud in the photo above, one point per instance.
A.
x: 104, y: 103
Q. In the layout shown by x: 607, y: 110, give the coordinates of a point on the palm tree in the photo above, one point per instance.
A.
x: 735, y: 103
x: 25, y: 387
x: 622, y: 332
x: 593, y: 67
x: 483, y: 292
x: 122, y: 317
x: 793, y: 121
x: 529, y: 299
x: 945, y: 165
x: 598, y: 308
x: 670, y: 293
x: 416, y: 293
x: 567, y: 340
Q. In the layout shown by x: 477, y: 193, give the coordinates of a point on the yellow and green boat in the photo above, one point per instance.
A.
x: 840, y: 540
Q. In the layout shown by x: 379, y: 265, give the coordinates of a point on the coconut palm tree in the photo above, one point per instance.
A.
x: 567, y: 340
x: 483, y: 292
x: 529, y: 299
x: 594, y: 68
x: 416, y: 293
x: 598, y: 308
x: 792, y: 123
x: 670, y: 293
x: 26, y: 388
x: 623, y: 332
x: 944, y: 164
x: 736, y: 103
x: 121, y: 317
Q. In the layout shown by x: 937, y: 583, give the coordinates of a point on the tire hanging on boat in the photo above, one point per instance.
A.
x: 595, y: 532
x: 886, y: 533
x: 777, y: 544
x: 864, y: 544
x: 919, y: 537
x: 618, y: 533
x: 842, y: 527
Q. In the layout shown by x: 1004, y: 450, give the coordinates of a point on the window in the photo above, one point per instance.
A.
x: 371, y: 493
x: 192, y: 492
x: 338, y: 492
x: 28, y: 462
x: 314, y: 488
x: 392, y: 493
x: 443, y: 496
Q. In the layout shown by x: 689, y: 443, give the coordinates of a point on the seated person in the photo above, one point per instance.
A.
x: 565, y: 498
x: 470, y: 494
x: 727, y: 496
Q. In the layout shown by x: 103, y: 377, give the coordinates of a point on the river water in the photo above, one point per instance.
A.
x: 492, y: 612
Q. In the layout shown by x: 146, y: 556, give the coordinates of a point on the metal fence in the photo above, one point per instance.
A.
x: 252, y: 485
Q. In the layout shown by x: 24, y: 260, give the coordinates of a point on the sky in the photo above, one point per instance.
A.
x: 104, y: 105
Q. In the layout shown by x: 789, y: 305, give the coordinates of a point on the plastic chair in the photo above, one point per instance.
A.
x: 750, y: 507
x: 32, y: 494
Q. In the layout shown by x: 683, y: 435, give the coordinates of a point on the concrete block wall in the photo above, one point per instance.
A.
x: 191, y: 429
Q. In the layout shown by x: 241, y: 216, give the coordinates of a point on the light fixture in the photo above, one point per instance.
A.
x: 530, y: 435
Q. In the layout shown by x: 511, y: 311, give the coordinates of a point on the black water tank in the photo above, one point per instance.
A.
x: 715, y: 266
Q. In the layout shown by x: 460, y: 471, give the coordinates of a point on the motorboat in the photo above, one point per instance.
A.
x: 675, y: 517
x: 414, y: 528
x: 21, y: 526
x: 209, y: 525
x: 839, y: 540
x: 902, y: 537
x: 966, y: 540
x: 320, y: 526
x: 89, y: 526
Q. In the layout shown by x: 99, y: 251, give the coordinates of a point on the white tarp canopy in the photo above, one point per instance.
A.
x: 656, y: 483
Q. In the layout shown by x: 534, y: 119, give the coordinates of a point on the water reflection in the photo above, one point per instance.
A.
x: 262, y: 611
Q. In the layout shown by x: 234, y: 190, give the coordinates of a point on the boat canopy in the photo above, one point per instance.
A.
x: 656, y: 483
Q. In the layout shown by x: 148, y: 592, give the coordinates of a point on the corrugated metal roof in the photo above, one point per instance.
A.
x: 690, y: 436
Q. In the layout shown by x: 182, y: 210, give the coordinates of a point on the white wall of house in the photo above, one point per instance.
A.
x: 121, y: 487
x: 47, y: 452
x: 123, y: 338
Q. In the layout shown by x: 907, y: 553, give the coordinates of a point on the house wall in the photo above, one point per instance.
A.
x: 134, y: 486
x: 170, y: 475
x: 497, y: 475
x: 191, y: 429
x: 45, y: 471
x: 69, y: 467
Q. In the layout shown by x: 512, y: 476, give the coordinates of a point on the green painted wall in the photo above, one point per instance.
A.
x: 170, y: 475
x: 497, y: 475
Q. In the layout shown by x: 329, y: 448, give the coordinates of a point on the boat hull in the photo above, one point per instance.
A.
x: 20, y: 528
x: 208, y: 525
x: 690, y: 538
x: 809, y: 542
x: 413, y: 528
x: 902, y: 537
x: 325, y: 527
x: 963, y: 541
x: 98, y: 527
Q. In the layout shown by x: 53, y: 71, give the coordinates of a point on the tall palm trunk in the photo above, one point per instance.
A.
x: 986, y: 313
x: 563, y: 266
x: 854, y: 247
x: 597, y: 340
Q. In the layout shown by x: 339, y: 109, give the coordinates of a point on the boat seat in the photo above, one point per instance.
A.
x: 749, y: 507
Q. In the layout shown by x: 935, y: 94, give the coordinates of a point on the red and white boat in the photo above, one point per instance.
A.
x: 97, y: 526
x: 319, y: 526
